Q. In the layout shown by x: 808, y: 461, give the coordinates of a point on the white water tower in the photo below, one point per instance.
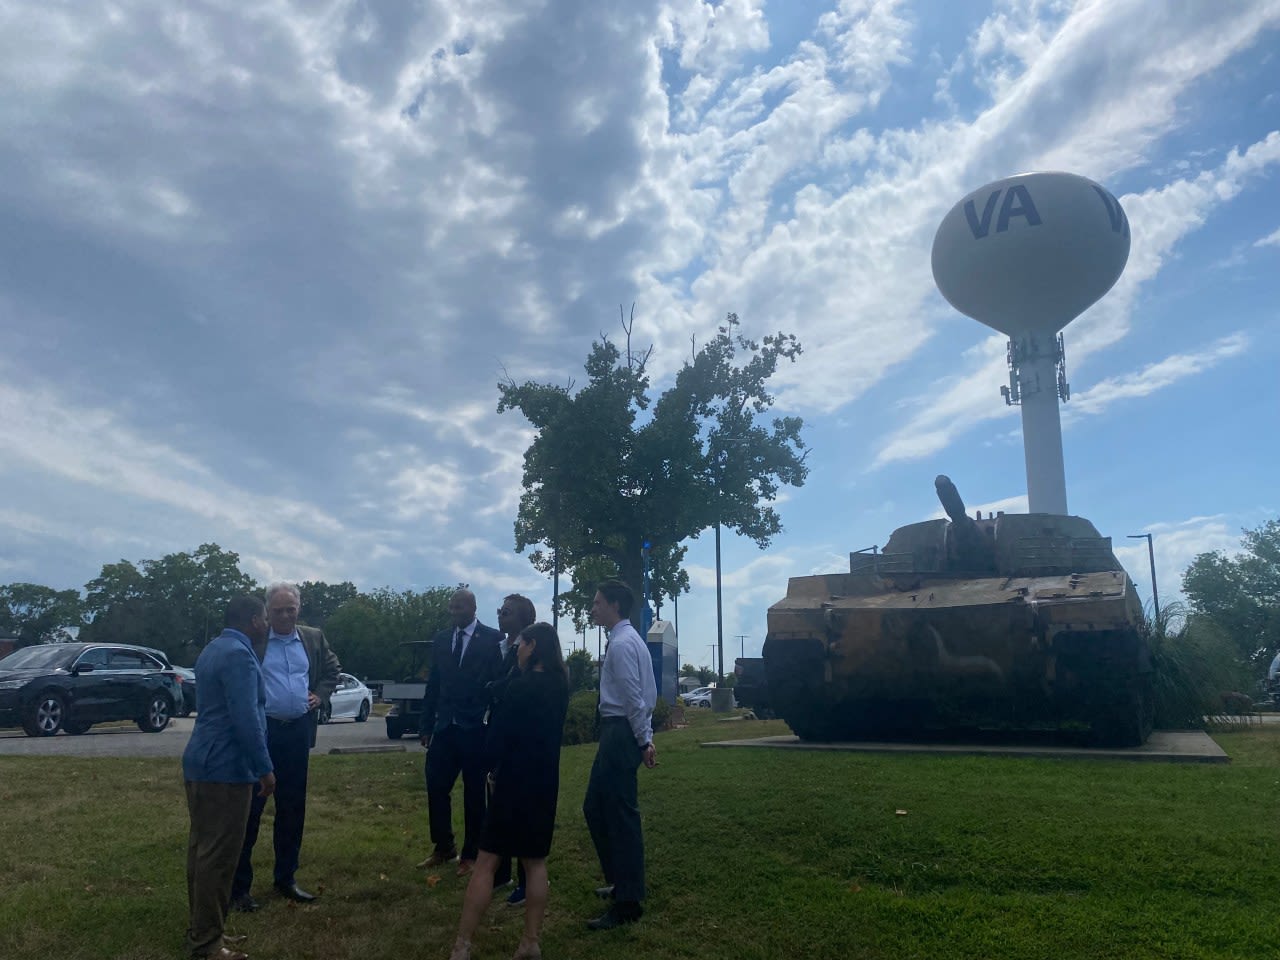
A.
x: 1027, y: 255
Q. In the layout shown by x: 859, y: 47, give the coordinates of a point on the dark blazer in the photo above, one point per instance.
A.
x: 459, y: 693
x: 322, y: 666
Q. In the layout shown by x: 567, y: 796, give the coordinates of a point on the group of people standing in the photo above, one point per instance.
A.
x: 493, y: 713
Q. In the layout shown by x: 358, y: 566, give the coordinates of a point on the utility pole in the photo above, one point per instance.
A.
x: 713, y: 657
x: 742, y: 644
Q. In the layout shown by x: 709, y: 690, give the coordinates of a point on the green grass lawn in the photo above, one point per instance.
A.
x: 752, y: 854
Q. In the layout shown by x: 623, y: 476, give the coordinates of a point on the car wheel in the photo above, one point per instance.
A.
x: 325, y: 713
x: 159, y: 710
x: 394, y: 730
x: 46, y: 716
x: 363, y: 715
x: 77, y: 727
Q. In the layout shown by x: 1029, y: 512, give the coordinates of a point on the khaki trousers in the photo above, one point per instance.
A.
x: 219, y: 812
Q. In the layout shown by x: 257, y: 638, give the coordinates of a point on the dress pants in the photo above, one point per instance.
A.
x: 454, y: 750
x: 613, y: 812
x: 289, y: 744
x: 218, y: 814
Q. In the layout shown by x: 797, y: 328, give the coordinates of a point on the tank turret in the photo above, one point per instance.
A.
x: 1009, y: 622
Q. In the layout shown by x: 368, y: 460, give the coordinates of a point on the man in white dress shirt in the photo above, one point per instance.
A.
x: 628, y: 692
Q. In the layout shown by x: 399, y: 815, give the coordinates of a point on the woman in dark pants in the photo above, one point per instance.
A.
x: 523, y: 747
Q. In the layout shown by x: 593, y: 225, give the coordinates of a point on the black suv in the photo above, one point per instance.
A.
x: 71, y: 686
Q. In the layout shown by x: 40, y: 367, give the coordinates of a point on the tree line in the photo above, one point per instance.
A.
x: 176, y: 604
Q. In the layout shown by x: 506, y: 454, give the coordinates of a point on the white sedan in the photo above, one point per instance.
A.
x: 352, y: 700
x: 697, y: 698
x: 702, y: 698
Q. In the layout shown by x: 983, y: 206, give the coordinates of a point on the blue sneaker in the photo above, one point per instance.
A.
x: 516, y: 897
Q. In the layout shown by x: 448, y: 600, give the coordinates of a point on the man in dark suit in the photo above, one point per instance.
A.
x: 299, y: 672
x: 465, y: 659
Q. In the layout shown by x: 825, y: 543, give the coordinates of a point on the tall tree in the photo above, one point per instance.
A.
x: 369, y: 633
x: 582, y: 671
x: 38, y: 614
x: 1242, y: 594
x: 321, y: 600
x: 175, y: 603
x: 610, y: 469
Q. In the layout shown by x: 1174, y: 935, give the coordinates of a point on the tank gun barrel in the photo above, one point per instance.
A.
x: 969, y: 548
x: 949, y: 497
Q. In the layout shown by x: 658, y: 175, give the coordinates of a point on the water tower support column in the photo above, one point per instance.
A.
x: 1036, y: 372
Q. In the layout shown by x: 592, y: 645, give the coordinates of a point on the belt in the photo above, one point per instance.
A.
x: 604, y: 719
x: 287, y: 723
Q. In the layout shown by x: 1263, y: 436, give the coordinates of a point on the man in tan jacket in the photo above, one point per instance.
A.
x: 299, y: 672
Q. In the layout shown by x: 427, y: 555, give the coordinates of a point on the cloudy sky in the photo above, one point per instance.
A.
x: 262, y: 266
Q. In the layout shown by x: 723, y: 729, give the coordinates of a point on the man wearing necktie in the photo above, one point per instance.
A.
x: 299, y: 672
x: 465, y: 659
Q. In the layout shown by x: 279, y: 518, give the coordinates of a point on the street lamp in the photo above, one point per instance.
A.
x: 722, y: 453
x: 1151, y: 555
x: 719, y: 608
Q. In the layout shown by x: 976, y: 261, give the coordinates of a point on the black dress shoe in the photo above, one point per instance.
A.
x: 616, y: 916
x: 295, y: 893
x: 244, y: 904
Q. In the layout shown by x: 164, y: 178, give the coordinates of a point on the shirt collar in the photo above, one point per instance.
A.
x: 618, y: 626
x: 286, y: 637
x: 468, y: 629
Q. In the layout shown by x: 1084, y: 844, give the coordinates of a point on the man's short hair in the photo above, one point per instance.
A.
x: 283, y: 586
x: 522, y: 608
x: 241, y: 611
x: 617, y: 593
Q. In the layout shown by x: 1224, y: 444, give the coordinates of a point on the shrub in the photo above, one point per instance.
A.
x: 661, y: 715
x: 1195, y: 662
x: 580, y: 723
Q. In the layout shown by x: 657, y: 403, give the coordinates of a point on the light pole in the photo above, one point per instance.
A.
x: 719, y: 476
x: 719, y: 608
x: 713, y: 656
x: 1151, y: 555
x: 742, y: 645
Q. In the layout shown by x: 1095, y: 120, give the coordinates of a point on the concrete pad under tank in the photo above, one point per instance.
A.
x: 1163, y: 746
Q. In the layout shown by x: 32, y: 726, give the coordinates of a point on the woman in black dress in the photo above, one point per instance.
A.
x: 523, y: 747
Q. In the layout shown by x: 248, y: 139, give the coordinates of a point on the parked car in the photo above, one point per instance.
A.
x: 702, y: 698
x: 406, y: 696
x: 71, y: 686
x: 187, y: 680
x: 351, y: 700
x: 697, y: 698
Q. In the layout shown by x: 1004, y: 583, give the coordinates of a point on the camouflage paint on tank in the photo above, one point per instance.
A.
x: 1013, y: 621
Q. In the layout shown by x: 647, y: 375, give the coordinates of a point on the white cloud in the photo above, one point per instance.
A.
x: 266, y: 263
x: 1270, y: 240
x: 1153, y: 377
x: 1175, y: 545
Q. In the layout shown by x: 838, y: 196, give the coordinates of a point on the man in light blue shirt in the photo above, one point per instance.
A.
x: 299, y: 672
x: 226, y: 755
x: 628, y: 693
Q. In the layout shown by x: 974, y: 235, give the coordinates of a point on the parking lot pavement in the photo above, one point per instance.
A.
x: 126, y: 740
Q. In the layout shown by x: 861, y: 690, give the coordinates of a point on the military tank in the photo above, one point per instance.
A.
x: 1013, y: 622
